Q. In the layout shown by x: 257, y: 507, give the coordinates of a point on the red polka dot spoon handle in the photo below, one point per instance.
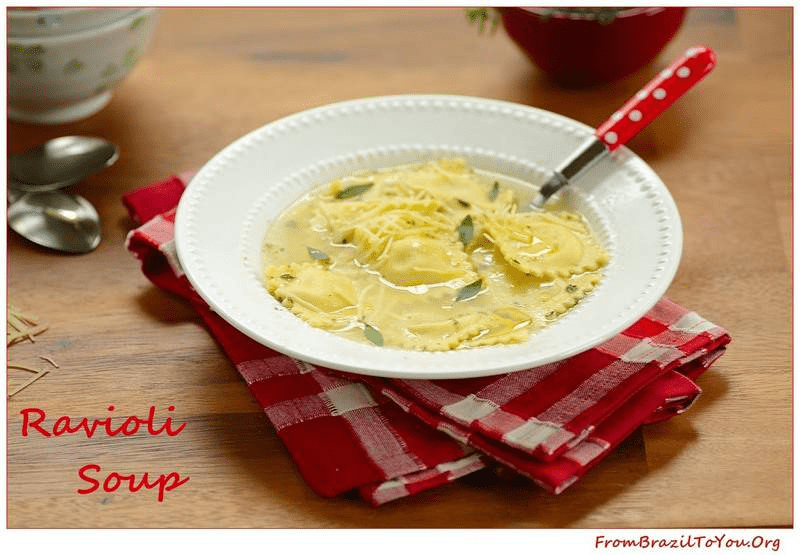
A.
x: 655, y: 97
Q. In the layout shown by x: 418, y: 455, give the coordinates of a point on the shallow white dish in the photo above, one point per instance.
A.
x: 228, y: 206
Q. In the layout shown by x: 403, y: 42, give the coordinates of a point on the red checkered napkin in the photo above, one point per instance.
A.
x: 390, y: 438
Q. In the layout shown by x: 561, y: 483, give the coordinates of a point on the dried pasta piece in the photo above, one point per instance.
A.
x: 38, y: 375
x: 21, y: 326
x: 544, y: 244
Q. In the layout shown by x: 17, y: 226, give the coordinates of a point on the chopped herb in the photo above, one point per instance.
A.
x: 287, y: 276
x: 571, y: 288
x: 373, y: 335
x: 463, y: 203
x: 353, y: 190
x: 550, y: 315
x: 317, y: 254
x: 494, y: 191
x: 465, y: 230
x: 469, y: 291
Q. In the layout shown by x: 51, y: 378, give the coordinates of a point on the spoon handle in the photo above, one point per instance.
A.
x: 656, y: 96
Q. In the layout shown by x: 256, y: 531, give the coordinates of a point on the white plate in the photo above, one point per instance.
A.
x: 224, y: 214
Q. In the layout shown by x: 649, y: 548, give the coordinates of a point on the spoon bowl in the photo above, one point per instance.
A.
x: 56, y: 220
x: 59, y: 163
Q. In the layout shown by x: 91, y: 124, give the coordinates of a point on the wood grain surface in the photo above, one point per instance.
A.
x: 212, y: 75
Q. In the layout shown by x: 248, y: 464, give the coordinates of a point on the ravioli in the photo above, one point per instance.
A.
x: 425, y: 260
x: 310, y: 290
x: 431, y: 256
x: 545, y: 244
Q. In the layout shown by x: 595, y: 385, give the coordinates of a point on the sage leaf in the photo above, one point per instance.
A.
x: 317, y: 254
x: 495, y: 190
x: 373, y: 335
x: 469, y: 291
x: 353, y: 191
x: 465, y: 230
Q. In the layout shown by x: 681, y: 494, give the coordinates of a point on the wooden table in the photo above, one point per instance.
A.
x: 213, y: 75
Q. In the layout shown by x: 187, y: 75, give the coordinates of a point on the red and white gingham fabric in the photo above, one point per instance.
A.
x: 391, y: 438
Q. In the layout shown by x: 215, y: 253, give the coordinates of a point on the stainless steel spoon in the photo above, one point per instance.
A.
x: 59, y: 163
x: 56, y: 220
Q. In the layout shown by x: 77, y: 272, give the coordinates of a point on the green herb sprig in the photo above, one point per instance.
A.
x: 373, y: 335
x: 482, y: 16
x: 466, y: 230
x: 317, y: 254
x: 353, y: 190
x: 469, y: 291
x: 494, y: 191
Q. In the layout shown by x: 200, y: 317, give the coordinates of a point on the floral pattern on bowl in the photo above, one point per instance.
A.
x: 57, y: 79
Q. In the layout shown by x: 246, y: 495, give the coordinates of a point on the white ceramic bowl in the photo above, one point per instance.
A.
x: 59, y: 78
x: 226, y: 211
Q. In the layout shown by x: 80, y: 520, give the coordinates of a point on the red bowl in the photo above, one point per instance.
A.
x: 574, y: 49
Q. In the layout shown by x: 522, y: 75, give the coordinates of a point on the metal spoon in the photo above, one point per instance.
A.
x: 59, y: 163
x: 56, y: 220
